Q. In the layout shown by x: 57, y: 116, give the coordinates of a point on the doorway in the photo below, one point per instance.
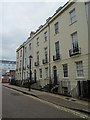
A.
x: 55, y: 74
x: 35, y: 76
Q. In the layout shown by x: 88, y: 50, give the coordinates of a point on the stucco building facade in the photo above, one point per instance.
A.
x: 60, y: 50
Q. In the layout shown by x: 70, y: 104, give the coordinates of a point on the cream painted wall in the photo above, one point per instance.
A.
x: 65, y: 41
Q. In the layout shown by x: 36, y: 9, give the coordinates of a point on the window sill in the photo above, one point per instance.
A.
x: 72, y: 23
x: 56, y: 33
x: 65, y: 79
x: 79, y: 78
x: 45, y: 41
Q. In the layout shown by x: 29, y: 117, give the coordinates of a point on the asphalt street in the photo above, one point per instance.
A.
x: 18, y: 105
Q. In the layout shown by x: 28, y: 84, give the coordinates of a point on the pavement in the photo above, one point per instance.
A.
x: 64, y: 101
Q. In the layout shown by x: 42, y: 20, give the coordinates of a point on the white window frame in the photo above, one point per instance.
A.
x: 25, y: 49
x: 79, y: 69
x: 37, y: 56
x: 46, y: 72
x: 30, y: 46
x: 37, y: 41
x: 56, y: 25
x: 65, y: 70
x: 21, y: 53
x: 46, y: 53
x: 45, y: 36
x: 74, y: 40
x: 57, y: 48
x: 72, y: 14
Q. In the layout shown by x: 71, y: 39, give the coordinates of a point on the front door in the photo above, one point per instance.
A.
x: 55, y: 74
x: 35, y: 75
x: 79, y: 88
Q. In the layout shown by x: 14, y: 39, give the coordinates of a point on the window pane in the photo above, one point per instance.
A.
x: 46, y: 69
x: 57, y: 48
x: 56, y: 28
x: 30, y: 46
x: 65, y: 70
x: 73, y: 16
x: 79, y: 67
x: 45, y: 36
x: 74, y: 40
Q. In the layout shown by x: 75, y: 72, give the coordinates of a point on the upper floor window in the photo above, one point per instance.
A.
x: 38, y: 41
x: 46, y: 71
x: 25, y: 49
x: 18, y: 55
x: 56, y: 27
x: 57, y: 48
x: 20, y: 63
x: 73, y: 16
x: 21, y: 53
x: 74, y: 41
x: 45, y: 36
x: 38, y: 56
x: 65, y: 70
x: 30, y: 46
x: 46, y: 53
x: 79, y: 68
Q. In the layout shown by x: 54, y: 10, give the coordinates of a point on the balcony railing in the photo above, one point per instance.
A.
x: 56, y: 57
x: 44, y: 61
x: 74, y: 51
x: 36, y: 63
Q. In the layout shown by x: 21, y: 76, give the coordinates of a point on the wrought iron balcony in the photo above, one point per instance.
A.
x: 74, y: 51
x: 56, y: 57
x: 36, y: 63
x: 44, y: 61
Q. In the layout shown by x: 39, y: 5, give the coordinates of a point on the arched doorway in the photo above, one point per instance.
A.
x: 55, y: 74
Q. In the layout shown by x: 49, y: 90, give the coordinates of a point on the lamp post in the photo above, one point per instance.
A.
x: 30, y: 72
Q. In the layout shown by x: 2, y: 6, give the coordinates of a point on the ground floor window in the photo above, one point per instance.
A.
x: 65, y: 90
x: 24, y: 75
x: 79, y: 68
x: 65, y: 70
x: 46, y: 71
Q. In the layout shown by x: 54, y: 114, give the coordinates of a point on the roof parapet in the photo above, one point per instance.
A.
x: 48, y: 19
x: 40, y: 26
x: 32, y: 33
x: 59, y: 9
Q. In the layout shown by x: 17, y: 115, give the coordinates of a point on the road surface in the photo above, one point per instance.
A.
x: 18, y: 105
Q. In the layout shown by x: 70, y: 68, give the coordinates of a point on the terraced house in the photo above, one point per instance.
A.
x: 60, y: 51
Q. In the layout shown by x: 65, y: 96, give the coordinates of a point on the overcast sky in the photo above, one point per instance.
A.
x: 19, y: 19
